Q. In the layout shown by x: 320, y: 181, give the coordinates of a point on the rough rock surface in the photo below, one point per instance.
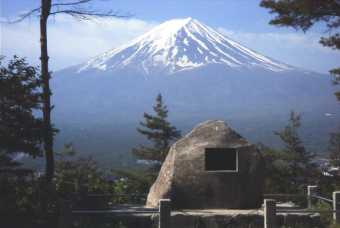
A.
x: 184, y: 180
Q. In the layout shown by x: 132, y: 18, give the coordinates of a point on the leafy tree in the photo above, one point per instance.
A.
x: 298, y: 159
x: 81, y: 10
x: 334, y: 148
x: 159, y: 131
x: 83, y: 178
x: 277, y: 171
x: 131, y: 186
x: 289, y: 169
x: 21, y: 130
x: 20, y: 97
x: 303, y: 14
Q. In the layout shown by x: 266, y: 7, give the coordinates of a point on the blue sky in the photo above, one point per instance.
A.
x: 72, y: 41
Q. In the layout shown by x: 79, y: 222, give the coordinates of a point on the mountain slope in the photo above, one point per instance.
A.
x: 181, y: 44
x: 201, y: 75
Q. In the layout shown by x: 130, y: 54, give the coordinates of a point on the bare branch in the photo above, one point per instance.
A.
x: 85, y: 14
x: 75, y: 12
x: 71, y: 3
x: 78, y: 13
x: 23, y: 16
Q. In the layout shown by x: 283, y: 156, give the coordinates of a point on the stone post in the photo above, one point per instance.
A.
x: 311, y: 190
x: 269, y: 213
x: 164, y: 213
x: 65, y: 214
x: 336, y: 206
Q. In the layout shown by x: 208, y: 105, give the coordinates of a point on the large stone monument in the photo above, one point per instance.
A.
x: 211, y: 167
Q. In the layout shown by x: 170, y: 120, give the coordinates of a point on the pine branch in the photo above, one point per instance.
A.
x: 159, y: 131
x: 332, y: 41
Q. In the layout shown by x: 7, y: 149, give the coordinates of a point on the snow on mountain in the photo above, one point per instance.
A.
x: 181, y: 44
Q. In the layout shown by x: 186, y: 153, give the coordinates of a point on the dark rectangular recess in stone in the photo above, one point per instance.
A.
x: 221, y: 159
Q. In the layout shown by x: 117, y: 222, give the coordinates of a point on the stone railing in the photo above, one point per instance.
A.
x: 271, y: 210
x: 164, y: 213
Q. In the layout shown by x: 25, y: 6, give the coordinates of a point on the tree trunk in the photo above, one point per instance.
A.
x: 45, y: 76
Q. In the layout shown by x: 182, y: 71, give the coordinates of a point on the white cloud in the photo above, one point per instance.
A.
x: 295, y: 48
x: 283, y: 39
x: 70, y: 41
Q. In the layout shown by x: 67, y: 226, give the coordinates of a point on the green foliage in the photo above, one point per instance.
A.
x: 277, y: 171
x: 77, y: 180
x: 17, y: 193
x: 326, y: 217
x: 334, y: 225
x: 328, y: 184
x: 21, y: 130
x: 294, y: 149
x: 334, y: 148
x: 82, y: 177
x: 131, y: 185
x: 332, y: 42
x: 20, y: 96
x: 298, y: 159
x: 159, y: 131
x: 289, y: 169
x: 337, y: 94
x: 303, y: 14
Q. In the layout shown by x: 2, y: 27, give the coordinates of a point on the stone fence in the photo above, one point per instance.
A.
x: 164, y: 213
x: 270, y: 210
x: 272, y: 213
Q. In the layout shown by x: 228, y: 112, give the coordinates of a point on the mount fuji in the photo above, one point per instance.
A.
x: 202, y: 75
x: 178, y: 45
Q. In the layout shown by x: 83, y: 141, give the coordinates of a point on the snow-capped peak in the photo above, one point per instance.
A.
x: 181, y: 44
